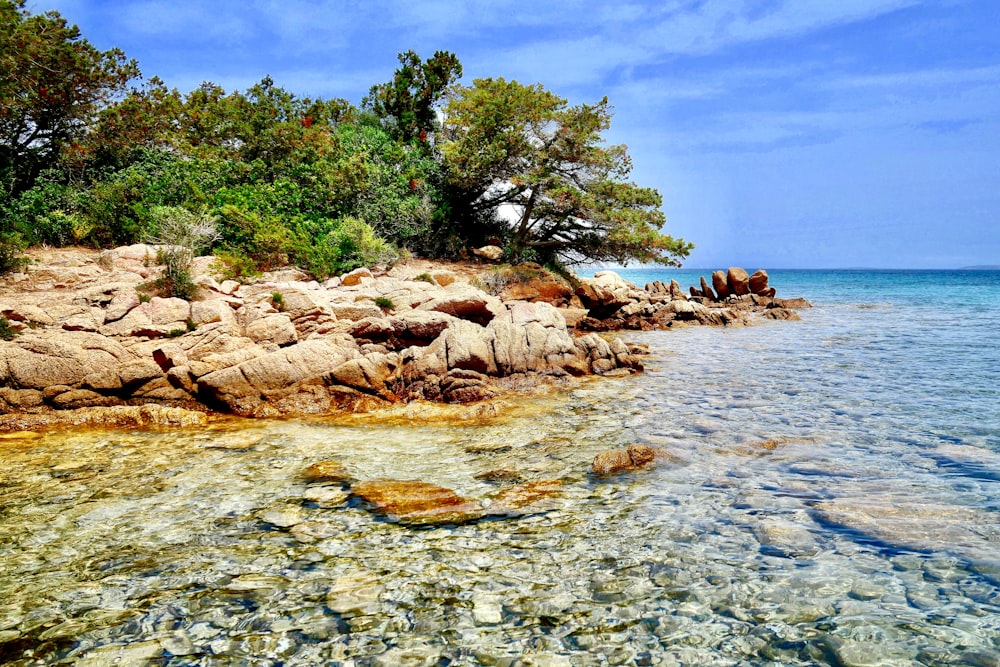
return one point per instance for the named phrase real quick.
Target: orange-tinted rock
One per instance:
(797, 302)
(720, 284)
(706, 291)
(758, 282)
(326, 471)
(417, 503)
(617, 460)
(738, 281)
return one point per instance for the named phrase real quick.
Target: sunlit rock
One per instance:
(617, 460)
(417, 503)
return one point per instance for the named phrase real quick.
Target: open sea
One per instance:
(832, 497)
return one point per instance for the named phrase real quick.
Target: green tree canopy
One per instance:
(408, 103)
(524, 149)
(52, 84)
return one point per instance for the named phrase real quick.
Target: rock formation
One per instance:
(736, 300)
(279, 345)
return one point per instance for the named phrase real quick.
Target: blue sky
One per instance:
(781, 133)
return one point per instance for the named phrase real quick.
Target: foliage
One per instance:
(352, 244)
(11, 248)
(385, 303)
(52, 84)
(498, 278)
(407, 104)
(7, 332)
(278, 300)
(425, 277)
(91, 154)
(523, 147)
(181, 234)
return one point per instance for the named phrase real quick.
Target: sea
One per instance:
(828, 493)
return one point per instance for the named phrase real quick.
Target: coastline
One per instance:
(91, 347)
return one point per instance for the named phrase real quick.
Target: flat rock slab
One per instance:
(417, 503)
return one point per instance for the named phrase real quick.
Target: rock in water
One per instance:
(417, 503)
(738, 281)
(720, 284)
(758, 282)
(617, 460)
(529, 498)
(706, 291)
(327, 471)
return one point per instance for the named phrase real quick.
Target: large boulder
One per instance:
(302, 368)
(721, 284)
(738, 281)
(50, 357)
(464, 301)
(758, 283)
(492, 253)
(706, 290)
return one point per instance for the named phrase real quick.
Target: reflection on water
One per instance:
(817, 512)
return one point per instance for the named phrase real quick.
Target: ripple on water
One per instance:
(813, 508)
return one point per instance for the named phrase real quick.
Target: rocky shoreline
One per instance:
(89, 347)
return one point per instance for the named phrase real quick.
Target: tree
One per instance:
(52, 84)
(525, 149)
(408, 103)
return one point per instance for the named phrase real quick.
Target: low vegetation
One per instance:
(91, 153)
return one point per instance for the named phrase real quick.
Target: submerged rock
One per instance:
(327, 471)
(528, 498)
(617, 460)
(417, 503)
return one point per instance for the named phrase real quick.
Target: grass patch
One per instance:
(385, 303)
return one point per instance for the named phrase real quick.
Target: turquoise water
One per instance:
(830, 496)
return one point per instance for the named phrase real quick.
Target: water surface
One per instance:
(833, 499)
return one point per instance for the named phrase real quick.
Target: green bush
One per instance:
(7, 332)
(256, 241)
(385, 303)
(12, 248)
(358, 245)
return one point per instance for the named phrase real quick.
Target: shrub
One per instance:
(358, 245)
(7, 332)
(426, 277)
(497, 279)
(385, 303)
(12, 247)
(252, 241)
(278, 300)
(182, 234)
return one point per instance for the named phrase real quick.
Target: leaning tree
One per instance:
(523, 164)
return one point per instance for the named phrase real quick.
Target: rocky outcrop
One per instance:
(735, 298)
(279, 345)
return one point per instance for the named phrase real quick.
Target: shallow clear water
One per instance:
(833, 498)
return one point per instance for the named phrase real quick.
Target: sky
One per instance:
(781, 133)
